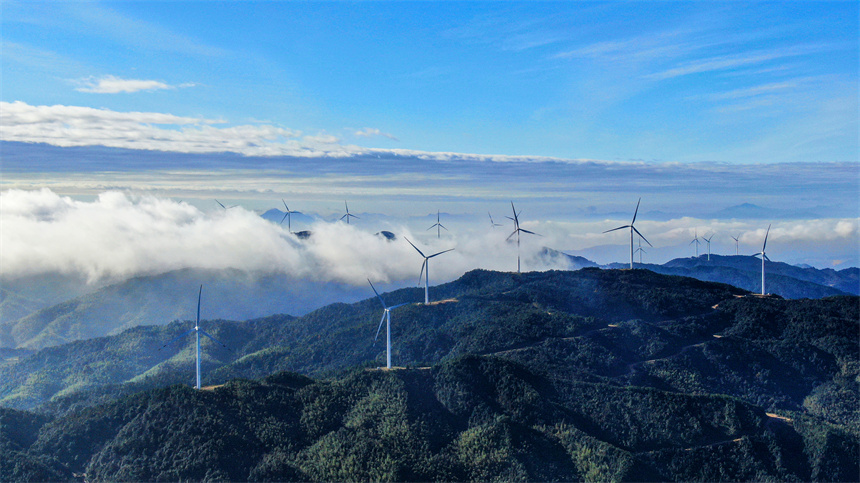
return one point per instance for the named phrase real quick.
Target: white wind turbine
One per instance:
(735, 238)
(288, 216)
(763, 258)
(517, 230)
(386, 315)
(492, 223)
(640, 250)
(197, 331)
(438, 226)
(697, 242)
(348, 214)
(425, 270)
(632, 229)
(708, 241)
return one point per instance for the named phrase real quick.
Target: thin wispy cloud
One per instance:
(369, 132)
(110, 84)
(729, 62)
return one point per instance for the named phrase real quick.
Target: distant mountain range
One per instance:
(160, 299)
(560, 375)
(237, 295)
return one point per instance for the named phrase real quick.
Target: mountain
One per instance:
(156, 300)
(787, 280)
(593, 374)
(238, 295)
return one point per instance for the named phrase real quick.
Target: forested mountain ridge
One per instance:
(469, 418)
(27, 323)
(593, 374)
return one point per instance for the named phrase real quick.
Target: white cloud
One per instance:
(371, 132)
(117, 236)
(113, 85)
(84, 126)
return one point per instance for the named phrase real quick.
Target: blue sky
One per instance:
(734, 82)
(573, 109)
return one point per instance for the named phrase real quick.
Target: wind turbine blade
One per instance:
(398, 305)
(380, 326)
(444, 251)
(344, 216)
(216, 340)
(637, 232)
(413, 246)
(529, 232)
(222, 205)
(176, 338)
(199, 295)
(765, 239)
(285, 217)
(421, 273)
(636, 212)
(512, 234)
(619, 228)
(377, 294)
(434, 226)
(443, 227)
(285, 204)
(766, 257)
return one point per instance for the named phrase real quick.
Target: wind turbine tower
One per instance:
(425, 270)
(386, 316)
(632, 230)
(517, 230)
(763, 258)
(696, 241)
(197, 331)
(438, 226)
(288, 216)
(640, 250)
(708, 241)
(348, 215)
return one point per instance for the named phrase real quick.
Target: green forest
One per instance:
(592, 375)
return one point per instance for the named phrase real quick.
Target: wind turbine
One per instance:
(517, 230)
(736, 243)
(640, 250)
(763, 258)
(197, 331)
(425, 270)
(225, 207)
(696, 241)
(386, 315)
(708, 241)
(288, 216)
(492, 223)
(348, 214)
(632, 229)
(438, 226)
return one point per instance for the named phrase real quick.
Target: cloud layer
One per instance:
(117, 236)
